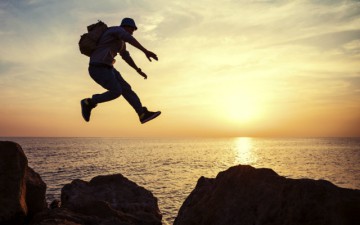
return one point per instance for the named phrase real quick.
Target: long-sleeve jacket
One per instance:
(110, 44)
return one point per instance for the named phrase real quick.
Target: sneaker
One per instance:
(86, 107)
(147, 115)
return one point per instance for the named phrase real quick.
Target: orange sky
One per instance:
(226, 68)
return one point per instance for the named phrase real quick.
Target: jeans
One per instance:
(110, 79)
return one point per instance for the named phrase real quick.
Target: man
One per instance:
(102, 71)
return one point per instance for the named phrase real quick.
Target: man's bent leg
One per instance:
(106, 77)
(130, 96)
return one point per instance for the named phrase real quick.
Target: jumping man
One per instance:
(102, 71)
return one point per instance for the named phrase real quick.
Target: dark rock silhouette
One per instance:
(35, 192)
(114, 197)
(22, 191)
(243, 195)
(111, 199)
(62, 216)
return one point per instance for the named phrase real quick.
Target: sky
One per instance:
(226, 68)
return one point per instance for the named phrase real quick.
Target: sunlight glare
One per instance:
(241, 109)
(244, 148)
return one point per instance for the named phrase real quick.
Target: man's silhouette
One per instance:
(102, 71)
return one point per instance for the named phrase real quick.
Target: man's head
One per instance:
(129, 25)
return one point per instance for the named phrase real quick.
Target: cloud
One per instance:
(329, 41)
(281, 21)
(6, 67)
(352, 47)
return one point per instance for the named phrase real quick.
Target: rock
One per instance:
(105, 200)
(63, 216)
(13, 163)
(244, 195)
(112, 199)
(22, 191)
(35, 192)
(55, 204)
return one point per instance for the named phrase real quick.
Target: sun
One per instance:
(243, 109)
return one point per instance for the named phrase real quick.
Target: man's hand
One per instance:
(142, 73)
(150, 55)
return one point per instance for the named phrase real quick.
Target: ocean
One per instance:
(170, 168)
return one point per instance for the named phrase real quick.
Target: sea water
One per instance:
(170, 168)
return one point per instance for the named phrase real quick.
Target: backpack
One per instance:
(89, 40)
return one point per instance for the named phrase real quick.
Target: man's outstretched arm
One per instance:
(123, 35)
(147, 53)
(125, 55)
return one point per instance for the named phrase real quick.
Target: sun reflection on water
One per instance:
(244, 151)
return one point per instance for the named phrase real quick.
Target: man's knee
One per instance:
(116, 94)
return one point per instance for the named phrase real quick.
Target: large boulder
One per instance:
(244, 195)
(111, 199)
(13, 163)
(35, 192)
(22, 192)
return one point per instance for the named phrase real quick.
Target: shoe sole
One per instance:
(82, 103)
(151, 117)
